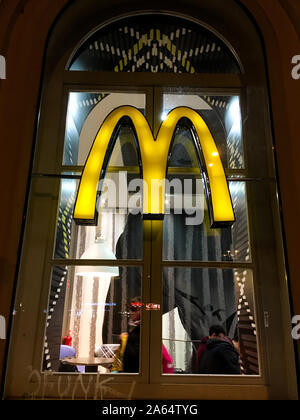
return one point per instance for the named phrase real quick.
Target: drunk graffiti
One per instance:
(72, 387)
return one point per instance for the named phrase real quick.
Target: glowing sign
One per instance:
(154, 157)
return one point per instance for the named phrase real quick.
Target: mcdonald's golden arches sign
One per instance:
(154, 155)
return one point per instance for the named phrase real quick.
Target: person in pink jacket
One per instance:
(167, 361)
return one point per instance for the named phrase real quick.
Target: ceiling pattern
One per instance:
(155, 44)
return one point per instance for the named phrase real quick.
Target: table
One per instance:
(91, 363)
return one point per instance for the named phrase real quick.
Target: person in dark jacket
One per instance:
(219, 357)
(131, 359)
(215, 331)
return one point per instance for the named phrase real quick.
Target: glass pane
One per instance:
(93, 311)
(119, 230)
(86, 113)
(196, 303)
(188, 237)
(222, 115)
(155, 43)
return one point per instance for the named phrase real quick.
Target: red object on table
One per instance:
(67, 340)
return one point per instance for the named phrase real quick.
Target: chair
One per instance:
(106, 350)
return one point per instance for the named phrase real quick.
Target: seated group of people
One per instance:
(216, 354)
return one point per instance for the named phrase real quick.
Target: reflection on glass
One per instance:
(183, 154)
(86, 112)
(189, 236)
(239, 246)
(233, 127)
(222, 115)
(194, 300)
(92, 315)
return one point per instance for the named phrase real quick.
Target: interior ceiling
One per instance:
(155, 44)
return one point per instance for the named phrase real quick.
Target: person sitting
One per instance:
(214, 331)
(131, 356)
(219, 357)
(127, 357)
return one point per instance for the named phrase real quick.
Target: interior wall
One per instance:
(24, 27)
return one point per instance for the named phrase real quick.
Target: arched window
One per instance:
(156, 43)
(161, 281)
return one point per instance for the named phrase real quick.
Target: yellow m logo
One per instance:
(154, 162)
